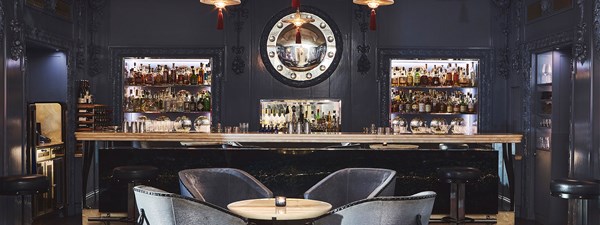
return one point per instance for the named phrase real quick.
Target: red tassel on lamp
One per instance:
(295, 3)
(298, 36)
(221, 4)
(373, 21)
(220, 21)
(373, 4)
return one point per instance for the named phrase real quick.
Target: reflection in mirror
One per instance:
(305, 56)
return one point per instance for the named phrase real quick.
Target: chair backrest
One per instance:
(395, 210)
(353, 184)
(157, 207)
(221, 186)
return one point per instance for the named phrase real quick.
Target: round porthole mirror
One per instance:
(302, 64)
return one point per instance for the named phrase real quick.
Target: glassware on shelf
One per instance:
(399, 125)
(418, 126)
(458, 125)
(546, 74)
(183, 124)
(439, 126)
(202, 124)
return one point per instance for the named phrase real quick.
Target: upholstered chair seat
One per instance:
(390, 210)
(221, 186)
(353, 184)
(157, 207)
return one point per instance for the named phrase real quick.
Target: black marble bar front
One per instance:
(290, 172)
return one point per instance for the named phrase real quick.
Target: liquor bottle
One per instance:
(402, 79)
(173, 75)
(207, 101)
(165, 74)
(456, 75)
(435, 81)
(424, 80)
(473, 74)
(410, 77)
(201, 74)
(417, 79)
(186, 104)
(448, 79)
(207, 74)
(193, 104)
(193, 77)
(149, 79)
(394, 77)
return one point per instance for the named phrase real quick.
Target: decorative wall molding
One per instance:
(361, 14)
(385, 55)
(579, 45)
(238, 65)
(118, 53)
(17, 45)
(597, 26)
(1, 22)
(501, 53)
(95, 53)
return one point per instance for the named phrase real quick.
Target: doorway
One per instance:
(551, 109)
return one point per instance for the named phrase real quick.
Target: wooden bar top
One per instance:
(299, 138)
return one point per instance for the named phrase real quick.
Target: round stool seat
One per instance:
(23, 184)
(575, 189)
(135, 173)
(458, 174)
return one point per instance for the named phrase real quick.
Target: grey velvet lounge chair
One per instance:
(353, 184)
(157, 207)
(394, 210)
(221, 186)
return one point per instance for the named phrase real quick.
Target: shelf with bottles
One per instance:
(321, 115)
(434, 73)
(433, 102)
(435, 114)
(432, 87)
(166, 72)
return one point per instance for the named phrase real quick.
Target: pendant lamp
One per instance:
(298, 20)
(373, 4)
(221, 4)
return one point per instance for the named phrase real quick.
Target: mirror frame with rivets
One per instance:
(306, 64)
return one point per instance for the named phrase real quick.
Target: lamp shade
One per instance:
(220, 4)
(373, 4)
(376, 2)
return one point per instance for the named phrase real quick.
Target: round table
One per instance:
(265, 209)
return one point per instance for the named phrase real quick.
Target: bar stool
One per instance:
(457, 177)
(578, 192)
(21, 185)
(133, 175)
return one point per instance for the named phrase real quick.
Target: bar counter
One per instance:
(303, 138)
(291, 168)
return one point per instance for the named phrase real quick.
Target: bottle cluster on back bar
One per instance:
(432, 101)
(167, 100)
(451, 75)
(300, 117)
(145, 75)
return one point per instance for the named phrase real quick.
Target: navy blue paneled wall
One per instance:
(184, 23)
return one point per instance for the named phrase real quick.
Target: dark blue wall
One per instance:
(402, 25)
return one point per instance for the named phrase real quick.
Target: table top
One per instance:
(265, 209)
